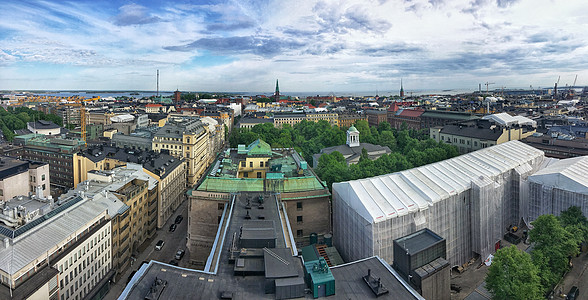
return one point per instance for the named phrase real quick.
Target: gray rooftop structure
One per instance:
(160, 163)
(267, 273)
(176, 126)
(41, 237)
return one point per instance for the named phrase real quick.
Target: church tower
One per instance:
(352, 137)
(401, 89)
(277, 93)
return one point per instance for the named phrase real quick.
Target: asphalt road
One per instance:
(173, 241)
(577, 276)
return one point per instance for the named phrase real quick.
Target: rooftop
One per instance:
(49, 231)
(397, 194)
(567, 174)
(285, 165)
(42, 124)
(40, 140)
(276, 263)
(158, 163)
(418, 241)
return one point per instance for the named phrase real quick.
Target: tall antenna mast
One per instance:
(157, 83)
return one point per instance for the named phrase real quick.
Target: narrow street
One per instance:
(173, 241)
(577, 276)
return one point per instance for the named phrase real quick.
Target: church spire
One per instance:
(401, 89)
(277, 93)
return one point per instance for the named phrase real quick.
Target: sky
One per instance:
(310, 46)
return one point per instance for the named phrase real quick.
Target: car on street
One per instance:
(159, 245)
(180, 254)
(173, 262)
(573, 293)
(179, 219)
(173, 227)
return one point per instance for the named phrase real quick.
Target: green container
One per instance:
(313, 238)
(328, 238)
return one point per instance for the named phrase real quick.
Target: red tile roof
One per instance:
(411, 113)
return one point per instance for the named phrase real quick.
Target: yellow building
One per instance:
(133, 226)
(185, 138)
(332, 118)
(169, 172)
(255, 163)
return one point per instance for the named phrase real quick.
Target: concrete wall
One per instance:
(315, 213)
(437, 286)
(203, 219)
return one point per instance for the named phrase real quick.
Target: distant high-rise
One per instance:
(277, 92)
(401, 89)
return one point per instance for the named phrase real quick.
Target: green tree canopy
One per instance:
(553, 245)
(409, 147)
(513, 275)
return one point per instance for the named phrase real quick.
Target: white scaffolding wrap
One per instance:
(557, 187)
(469, 200)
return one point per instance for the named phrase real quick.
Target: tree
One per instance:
(553, 245)
(513, 275)
(575, 222)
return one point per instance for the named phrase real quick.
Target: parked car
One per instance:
(159, 245)
(173, 227)
(180, 254)
(173, 262)
(573, 293)
(179, 219)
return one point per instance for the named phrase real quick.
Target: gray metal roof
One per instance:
(58, 230)
(384, 197)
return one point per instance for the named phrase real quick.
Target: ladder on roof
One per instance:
(272, 253)
(323, 253)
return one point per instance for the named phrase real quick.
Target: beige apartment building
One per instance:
(185, 138)
(20, 177)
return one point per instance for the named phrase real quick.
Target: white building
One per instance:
(64, 255)
(559, 186)
(44, 127)
(469, 200)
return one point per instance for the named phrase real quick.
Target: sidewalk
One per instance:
(577, 276)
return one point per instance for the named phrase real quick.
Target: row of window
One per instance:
(243, 164)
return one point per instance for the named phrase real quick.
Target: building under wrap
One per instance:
(469, 200)
(558, 186)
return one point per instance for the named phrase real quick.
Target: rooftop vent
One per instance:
(156, 289)
(375, 284)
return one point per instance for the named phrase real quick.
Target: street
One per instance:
(577, 276)
(173, 241)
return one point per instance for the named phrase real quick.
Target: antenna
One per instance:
(157, 83)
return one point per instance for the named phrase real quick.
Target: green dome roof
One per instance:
(352, 129)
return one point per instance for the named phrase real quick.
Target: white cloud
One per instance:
(310, 45)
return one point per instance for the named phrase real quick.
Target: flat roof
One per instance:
(349, 283)
(36, 241)
(418, 241)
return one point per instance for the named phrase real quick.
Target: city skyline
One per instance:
(337, 46)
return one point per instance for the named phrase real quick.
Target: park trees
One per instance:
(513, 275)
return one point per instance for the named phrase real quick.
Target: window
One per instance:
(261, 164)
(243, 164)
(251, 164)
(299, 233)
(299, 219)
(298, 206)
(43, 177)
(1, 192)
(221, 206)
(258, 174)
(246, 174)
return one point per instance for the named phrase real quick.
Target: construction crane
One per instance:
(555, 88)
(487, 84)
(571, 92)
